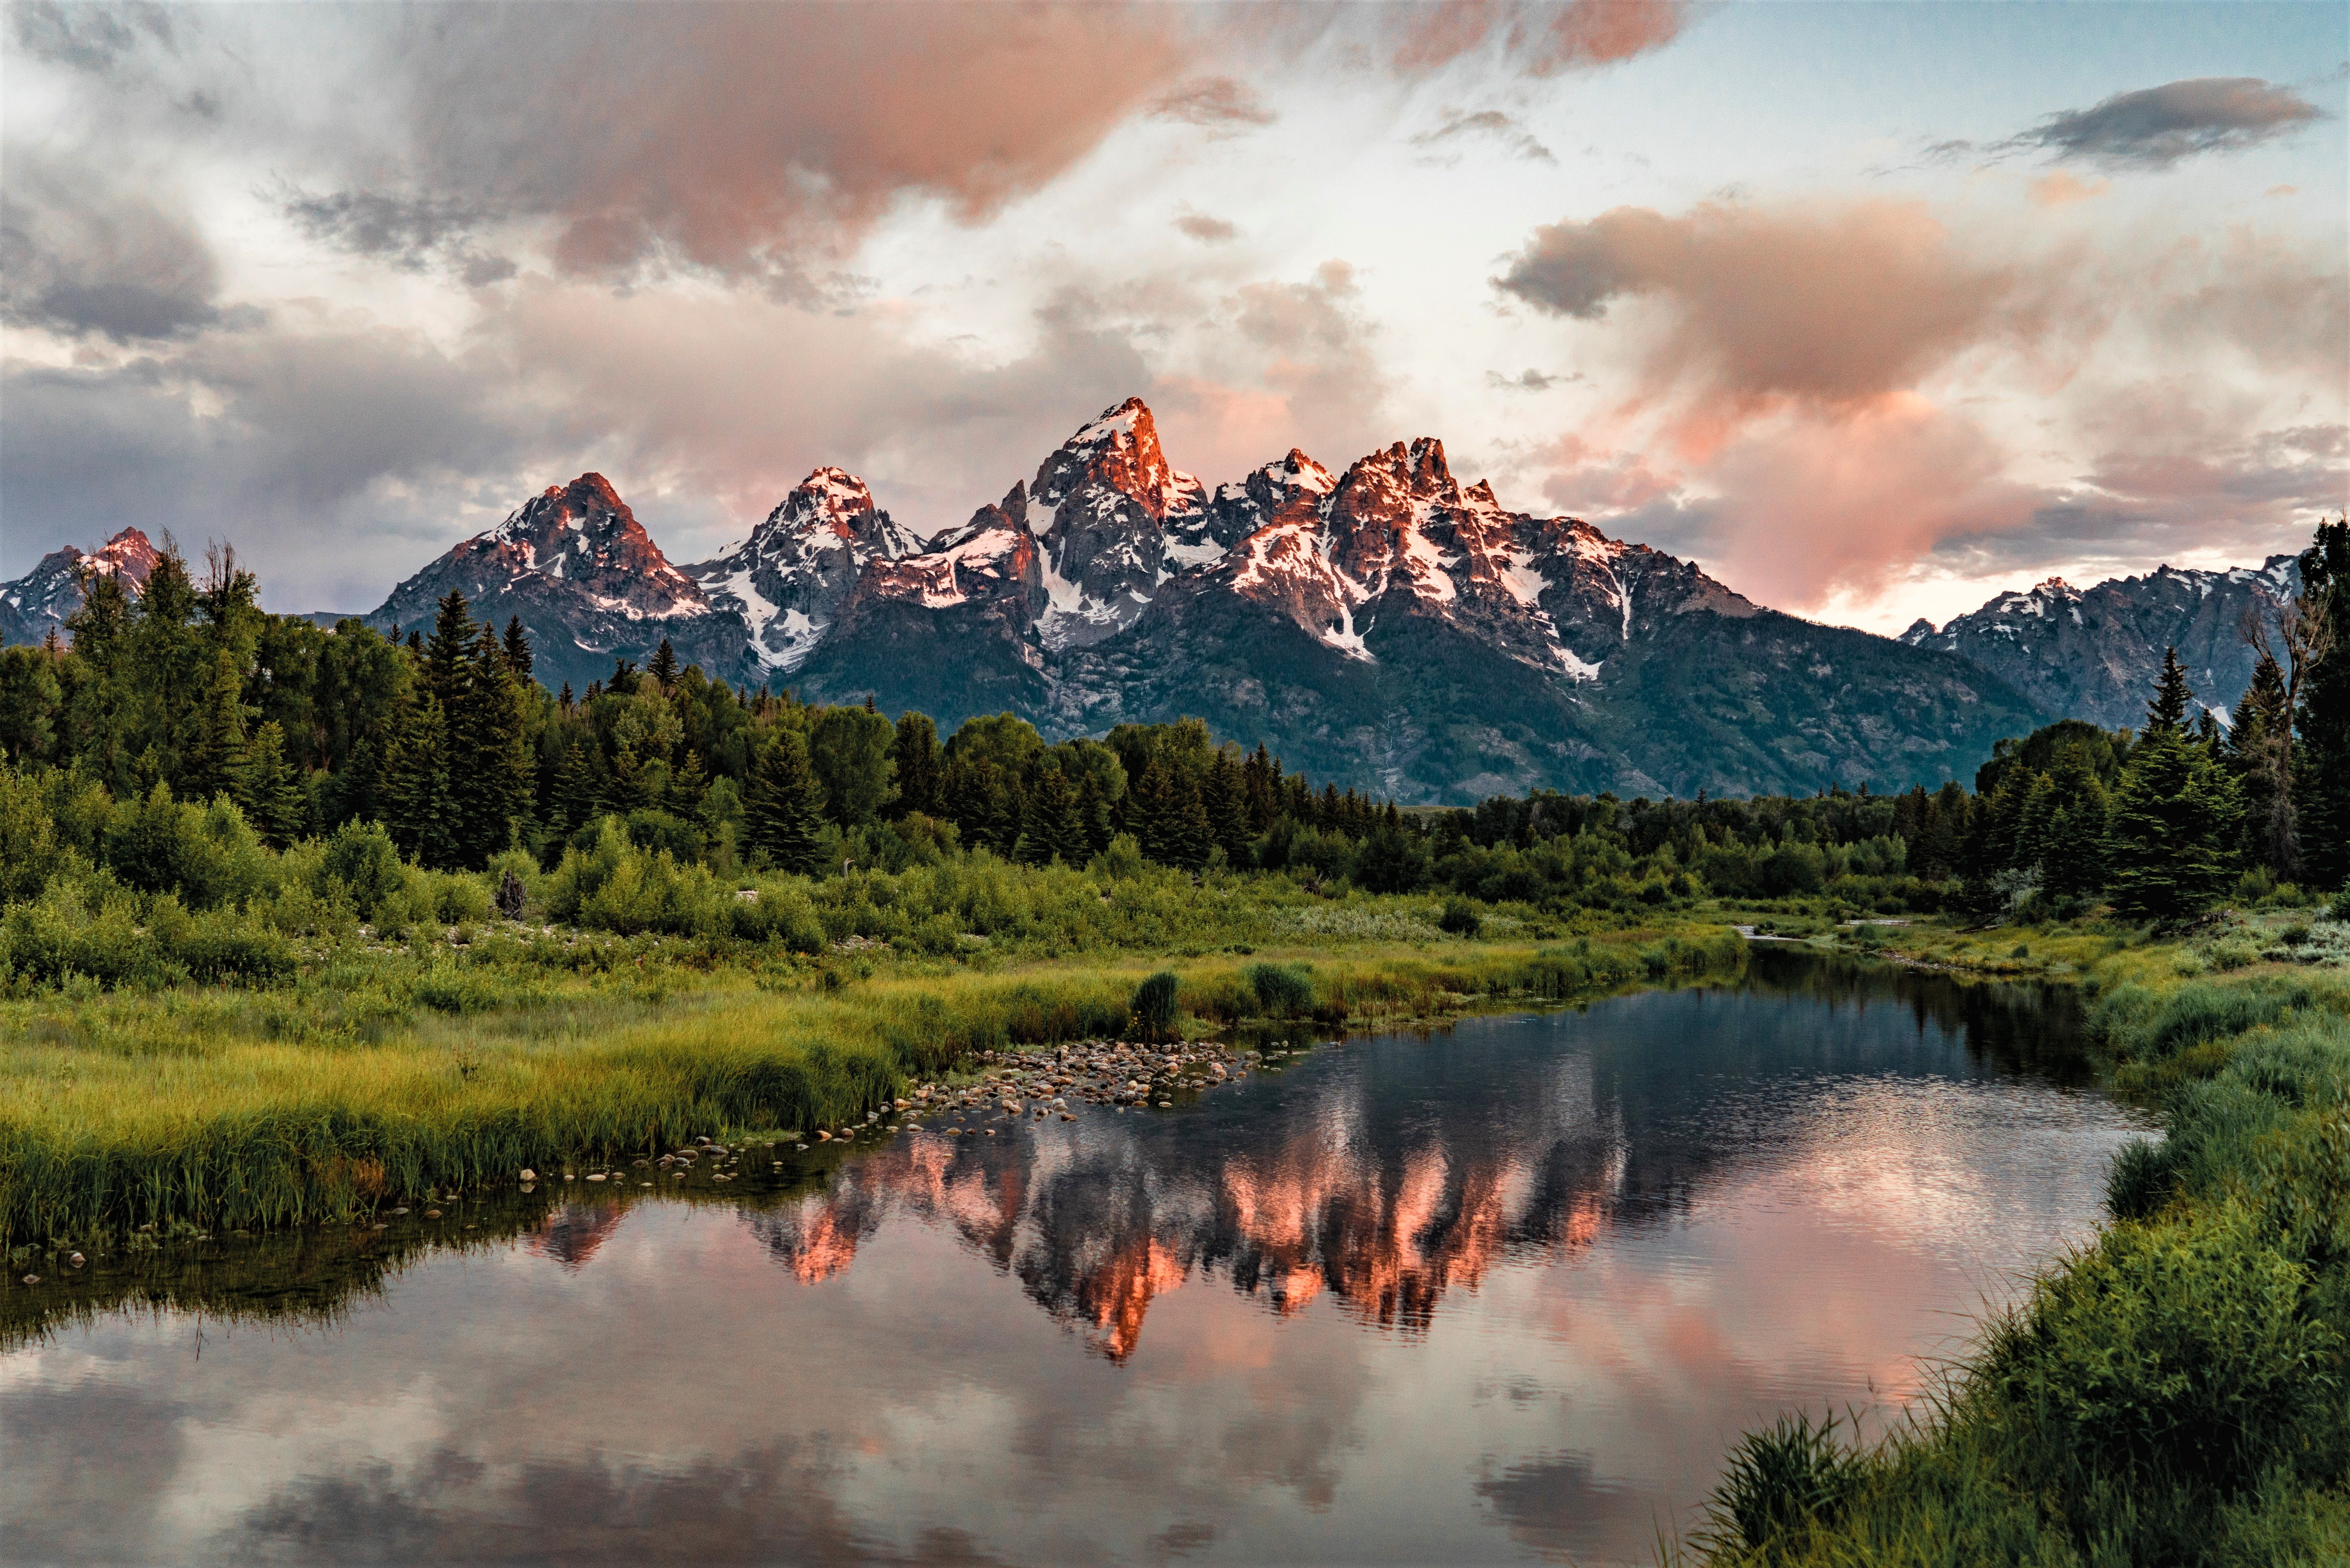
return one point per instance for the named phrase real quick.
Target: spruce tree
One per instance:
(216, 754)
(419, 806)
(663, 667)
(688, 787)
(577, 791)
(914, 754)
(518, 655)
(2258, 755)
(267, 790)
(785, 806)
(2321, 761)
(2167, 712)
(2173, 828)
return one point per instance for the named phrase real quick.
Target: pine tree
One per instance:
(785, 808)
(217, 753)
(2072, 842)
(267, 790)
(577, 791)
(518, 654)
(449, 653)
(2322, 762)
(1227, 802)
(566, 702)
(688, 787)
(663, 667)
(419, 807)
(2258, 755)
(2173, 829)
(914, 753)
(2167, 712)
(490, 771)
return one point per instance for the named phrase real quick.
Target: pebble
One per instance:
(32, 1279)
(529, 1175)
(598, 1175)
(74, 1258)
(400, 1211)
(433, 1214)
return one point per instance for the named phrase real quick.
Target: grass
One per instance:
(383, 1074)
(2177, 1390)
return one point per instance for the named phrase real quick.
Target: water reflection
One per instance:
(1507, 1292)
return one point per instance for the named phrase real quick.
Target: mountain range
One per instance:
(1386, 625)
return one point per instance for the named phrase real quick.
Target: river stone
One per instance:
(32, 1279)
(597, 1175)
(529, 1175)
(74, 1258)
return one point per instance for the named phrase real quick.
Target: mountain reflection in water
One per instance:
(1387, 1189)
(1507, 1292)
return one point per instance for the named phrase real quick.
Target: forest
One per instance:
(260, 771)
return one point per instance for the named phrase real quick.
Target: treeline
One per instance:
(188, 693)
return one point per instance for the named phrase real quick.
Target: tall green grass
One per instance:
(233, 1109)
(2176, 1391)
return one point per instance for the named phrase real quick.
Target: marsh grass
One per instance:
(2176, 1391)
(244, 1109)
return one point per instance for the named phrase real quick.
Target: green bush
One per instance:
(361, 859)
(1461, 917)
(1153, 1008)
(1280, 991)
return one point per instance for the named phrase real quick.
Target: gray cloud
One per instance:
(406, 231)
(1529, 380)
(1217, 101)
(2158, 126)
(1493, 123)
(85, 38)
(1208, 231)
(82, 255)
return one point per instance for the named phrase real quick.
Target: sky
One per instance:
(1874, 310)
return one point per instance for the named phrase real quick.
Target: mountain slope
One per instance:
(790, 580)
(2092, 654)
(587, 583)
(42, 599)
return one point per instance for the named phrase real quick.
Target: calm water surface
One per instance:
(1508, 1292)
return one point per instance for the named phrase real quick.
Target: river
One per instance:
(1507, 1291)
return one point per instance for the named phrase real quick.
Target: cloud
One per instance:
(1529, 380)
(1208, 231)
(1490, 122)
(1829, 306)
(2155, 127)
(1216, 101)
(742, 140)
(1541, 40)
(84, 255)
(85, 38)
(2059, 189)
(406, 232)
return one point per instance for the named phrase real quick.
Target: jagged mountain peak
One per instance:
(43, 597)
(790, 580)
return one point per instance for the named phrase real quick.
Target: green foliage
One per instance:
(1461, 918)
(1785, 1480)
(784, 808)
(849, 749)
(1281, 990)
(2173, 830)
(1153, 1009)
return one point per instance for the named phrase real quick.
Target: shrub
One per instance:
(1280, 991)
(1461, 918)
(1153, 1008)
(361, 858)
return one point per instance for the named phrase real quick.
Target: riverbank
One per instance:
(2177, 1390)
(383, 1076)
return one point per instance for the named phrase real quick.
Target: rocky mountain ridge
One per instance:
(2085, 652)
(1386, 625)
(38, 602)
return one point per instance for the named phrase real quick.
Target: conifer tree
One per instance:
(785, 808)
(577, 791)
(2174, 824)
(663, 667)
(2259, 754)
(518, 655)
(216, 750)
(1227, 802)
(914, 754)
(419, 806)
(688, 787)
(267, 790)
(2321, 761)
